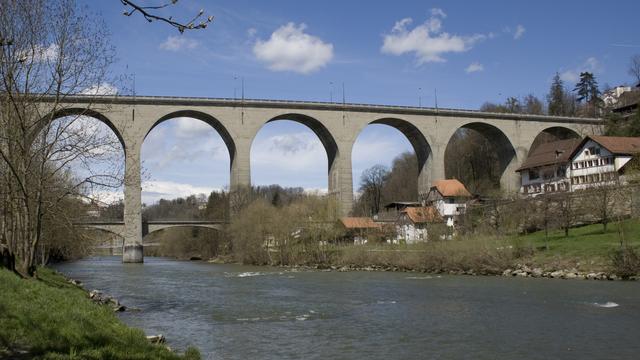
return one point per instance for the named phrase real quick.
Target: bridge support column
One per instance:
(432, 171)
(341, 180)
(132, 249)
(240, 177)
(510, 179)
(241, 165)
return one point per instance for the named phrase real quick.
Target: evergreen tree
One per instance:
(588, 92)
(556, 97)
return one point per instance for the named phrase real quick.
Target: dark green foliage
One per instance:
(617, 125)
(556, 97)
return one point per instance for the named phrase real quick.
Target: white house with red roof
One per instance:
(449, 197)
(574, 164)
(600, 160)
(413, 223)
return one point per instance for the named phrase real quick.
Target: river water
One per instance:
(244, 312)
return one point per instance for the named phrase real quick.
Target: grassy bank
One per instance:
(49, 318)
(586, 249)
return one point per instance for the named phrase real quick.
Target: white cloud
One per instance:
(519, 32)
(100, 89)
(189, 128)
(178, 42)
(290, 49)
(292, 152)
(573, 75)
(427, 41)
(107, 196)
(183, 143)
(474, 67)
(438, 12)
(39, 53)
(152, 191)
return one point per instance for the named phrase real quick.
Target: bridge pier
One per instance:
(340, 184)
(132, 251)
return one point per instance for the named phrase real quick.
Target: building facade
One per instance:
(570, 165)
(450, 198)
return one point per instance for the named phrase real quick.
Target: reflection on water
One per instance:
(243, 312)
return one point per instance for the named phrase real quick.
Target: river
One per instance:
(245, 312)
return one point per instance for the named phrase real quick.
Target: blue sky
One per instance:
(384, 53)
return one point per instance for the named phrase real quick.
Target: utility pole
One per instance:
(331, 91)
(419, 97)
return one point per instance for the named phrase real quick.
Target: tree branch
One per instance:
(145, 11)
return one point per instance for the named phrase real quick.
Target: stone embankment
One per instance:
(525, 271)
(100, 298)
(519, 271)
(103, 299)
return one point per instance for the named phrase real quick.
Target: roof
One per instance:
(617, 145)
(425, 214)
(359, 223)
(555, 152)
(397, 204)
(451, 187)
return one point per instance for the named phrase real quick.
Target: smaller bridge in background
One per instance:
(148, 227)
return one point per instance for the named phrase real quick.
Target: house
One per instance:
(393, 209)
(612, 96)
(450, 198)
(626, 104)
(602, 159)
(359, 229)
(574, 164)
(546, 169)
(415, 223)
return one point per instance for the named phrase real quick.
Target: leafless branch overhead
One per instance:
(147, 12)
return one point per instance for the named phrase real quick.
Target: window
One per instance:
(594, 150)
(533, 174)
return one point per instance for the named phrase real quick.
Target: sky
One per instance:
(397, 53)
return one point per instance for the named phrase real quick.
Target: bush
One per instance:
(625, 262)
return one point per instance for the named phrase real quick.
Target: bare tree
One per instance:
(372, 181)
(55, 50)
(567, 210)
(150, 13)
(634, 68)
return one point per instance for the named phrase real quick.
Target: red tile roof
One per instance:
(555, 152)
(451, 187)
(359, 223)
(618, 144)
(428, 214)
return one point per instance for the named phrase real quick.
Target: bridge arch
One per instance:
(321, 131)
(152, 228)
(495, 165)
(553, 133)
(206, 118)
(79, 112)
(326, 138)
(418, 141)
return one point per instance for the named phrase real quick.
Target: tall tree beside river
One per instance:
(50, 50)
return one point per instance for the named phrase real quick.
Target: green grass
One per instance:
(588, 246)
(50, 318)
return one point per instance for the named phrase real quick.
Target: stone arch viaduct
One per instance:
(337, 126)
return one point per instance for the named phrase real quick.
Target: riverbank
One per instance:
(48, 317)
(588, 252)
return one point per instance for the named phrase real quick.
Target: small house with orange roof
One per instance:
(449, 197)
(414, 223)
(359, 229)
